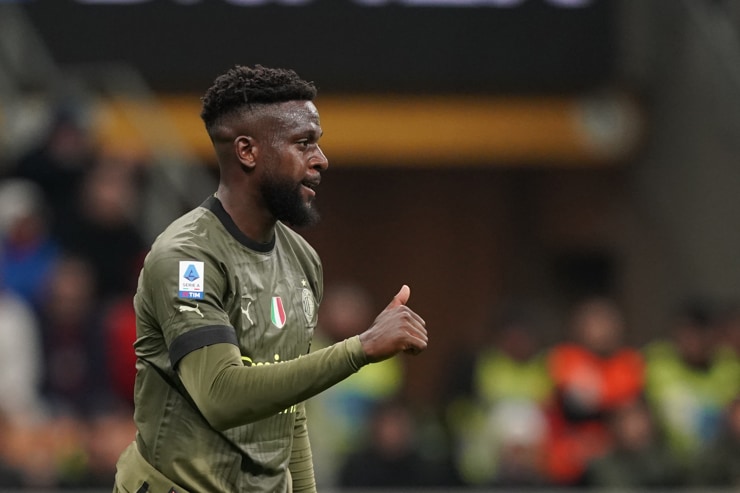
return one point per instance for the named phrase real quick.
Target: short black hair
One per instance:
(242, 86)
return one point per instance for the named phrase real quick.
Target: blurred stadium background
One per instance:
(489, 153)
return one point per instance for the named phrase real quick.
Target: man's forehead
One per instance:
(274, 118)
(296, 113)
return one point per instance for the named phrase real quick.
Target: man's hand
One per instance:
(396, 329)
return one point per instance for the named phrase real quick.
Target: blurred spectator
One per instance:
(691, 379)
(38, 449)
(59, 163)
(339, 416)
(729, 328)
(435, 444)
(104, 232)
(106, 433)
(62, 439)
(118, 332)
(64, 451)
(638, 457)
(719, 465)
(515, 435)
(390, 459)
(512, 364)
(593, 375)
(11, 476)
(71, 338)
(20, 360)
(28, 250)
(500, 425)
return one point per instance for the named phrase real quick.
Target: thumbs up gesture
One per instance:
(397, 328)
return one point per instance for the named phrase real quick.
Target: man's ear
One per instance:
(246, 151)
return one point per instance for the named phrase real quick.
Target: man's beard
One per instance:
(285, 201)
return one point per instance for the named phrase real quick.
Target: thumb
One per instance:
(401, 297)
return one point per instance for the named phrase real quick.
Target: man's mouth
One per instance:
(311, 184)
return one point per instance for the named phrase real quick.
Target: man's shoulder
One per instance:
(193, 229)
(192, 236)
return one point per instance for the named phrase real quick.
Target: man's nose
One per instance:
(319, 161)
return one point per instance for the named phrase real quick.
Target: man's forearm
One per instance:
(230, 394)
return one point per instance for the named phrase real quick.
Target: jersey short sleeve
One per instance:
(186, 288)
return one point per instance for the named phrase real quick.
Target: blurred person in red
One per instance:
(593, 375)
(692, 377)
(118, 331)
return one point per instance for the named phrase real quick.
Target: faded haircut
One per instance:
(242, 86)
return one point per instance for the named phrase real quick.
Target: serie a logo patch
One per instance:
(191, 280)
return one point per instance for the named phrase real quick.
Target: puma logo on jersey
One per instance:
(185, 308)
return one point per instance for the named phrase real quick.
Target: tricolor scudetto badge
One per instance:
(277, 312)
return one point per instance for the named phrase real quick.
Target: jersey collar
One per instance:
(214, 205)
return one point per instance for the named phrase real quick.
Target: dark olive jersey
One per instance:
(204, 282)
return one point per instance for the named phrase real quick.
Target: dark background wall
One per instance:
(342, 44)
(468, 241)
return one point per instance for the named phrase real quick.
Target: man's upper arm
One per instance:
(186, 291)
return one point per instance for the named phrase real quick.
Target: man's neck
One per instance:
(252, 220)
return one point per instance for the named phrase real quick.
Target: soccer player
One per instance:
(227, 304)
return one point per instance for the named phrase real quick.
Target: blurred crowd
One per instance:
(593, 411)
(70, 252)
(587, 411)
